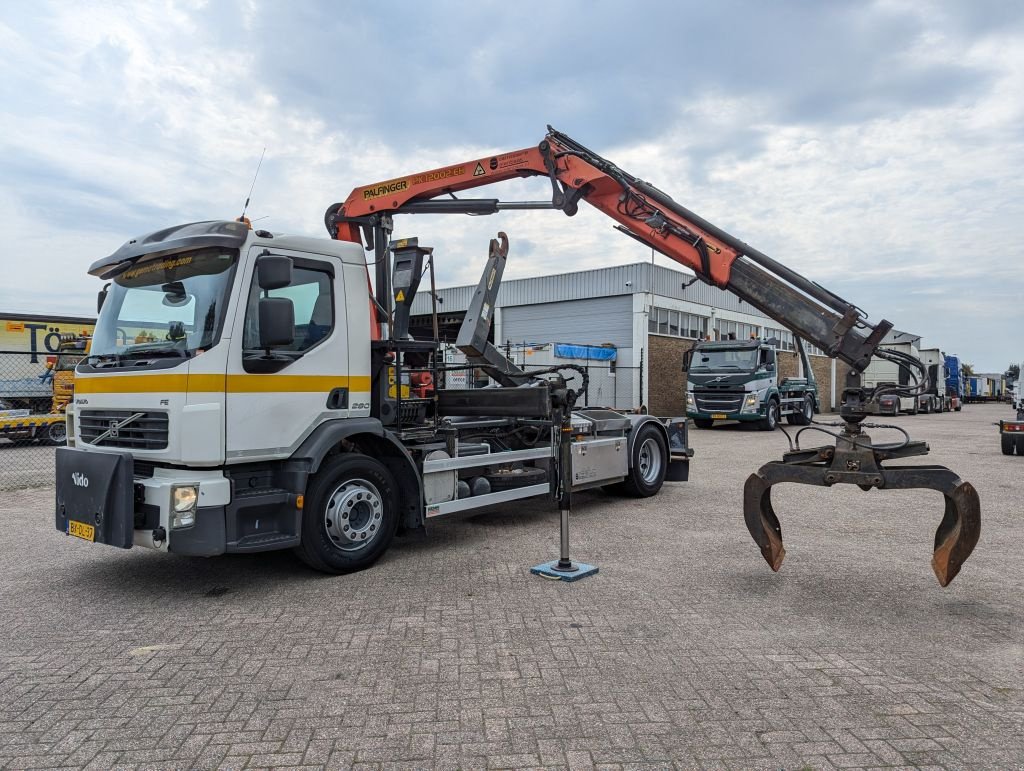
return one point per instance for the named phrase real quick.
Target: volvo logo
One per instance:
(80, 479)
(113, 425)
(717, 379)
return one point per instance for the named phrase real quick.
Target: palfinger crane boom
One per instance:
(652, 217)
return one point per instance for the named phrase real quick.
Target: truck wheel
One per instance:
(648, 465)
(771, 418)
(1007, 442)
(703, 422)
(806, 414)
(1019, 441)
(55, 434)
(350, 516)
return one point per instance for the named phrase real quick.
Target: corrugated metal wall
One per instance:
(593, 321)
(622, 280)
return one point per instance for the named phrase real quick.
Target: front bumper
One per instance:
(741, 416)
(127, 507)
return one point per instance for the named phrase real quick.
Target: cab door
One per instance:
(276, 399)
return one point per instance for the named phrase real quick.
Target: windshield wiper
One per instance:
(101, 359)
(155, 353)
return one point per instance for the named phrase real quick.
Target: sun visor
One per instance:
(194, 235)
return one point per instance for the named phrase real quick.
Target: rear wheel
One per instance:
(648, 464)
(806, 413)
(350, 515)
(1008, 443)
(703, 422)
(771, 419)
(55, 434)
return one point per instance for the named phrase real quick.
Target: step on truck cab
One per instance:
(739, 380)
(237, 399)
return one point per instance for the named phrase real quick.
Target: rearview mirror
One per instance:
(687, 359)
(277, 322)
(273, 271)
(101, 298)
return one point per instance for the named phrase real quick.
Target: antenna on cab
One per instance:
(251, 187)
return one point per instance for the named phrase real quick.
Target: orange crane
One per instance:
(652, 217)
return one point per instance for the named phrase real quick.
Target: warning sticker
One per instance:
(400, 297)
(479, 170)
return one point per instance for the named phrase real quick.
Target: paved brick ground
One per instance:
(684, 650)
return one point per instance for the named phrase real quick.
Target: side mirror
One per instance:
(273, 271)
(277, 322)
(770, 366)
(101, 298)
(687, 359)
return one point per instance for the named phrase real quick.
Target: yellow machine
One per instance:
(50, 428)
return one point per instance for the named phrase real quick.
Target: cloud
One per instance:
(874, 147)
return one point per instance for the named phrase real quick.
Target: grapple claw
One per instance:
(854, 460)
(761, 521)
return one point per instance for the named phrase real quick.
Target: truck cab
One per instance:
(739, 380)
(935, 399)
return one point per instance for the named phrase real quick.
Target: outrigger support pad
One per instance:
(855, 460)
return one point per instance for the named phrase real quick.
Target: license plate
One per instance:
(81, 530)
(718, 416)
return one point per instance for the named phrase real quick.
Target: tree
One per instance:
(968, 369)
(1013, 372)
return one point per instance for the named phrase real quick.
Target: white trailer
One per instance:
(936, 399)
(881, 371)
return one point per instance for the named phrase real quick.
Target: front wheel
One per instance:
(703, 422)
(648, 464)
(350, 515)
(771, 419)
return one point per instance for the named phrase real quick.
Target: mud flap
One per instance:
(858, 462)
(96, 489)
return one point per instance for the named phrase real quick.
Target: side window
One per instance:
(313, 301)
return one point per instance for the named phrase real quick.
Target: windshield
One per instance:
(168, 306)
(708, 360)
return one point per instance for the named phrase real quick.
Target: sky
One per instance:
(876, 147)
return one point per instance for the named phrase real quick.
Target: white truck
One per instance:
(882, 371)
(936, 399)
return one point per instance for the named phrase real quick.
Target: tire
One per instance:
(956, 409)
(1019, 441)
(648, 465)
(518, 478)
(1007, 443)
(350, 515)
(771, 419)
(703, 422)
(55, 434)
(806, 414)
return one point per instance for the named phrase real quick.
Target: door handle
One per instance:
(337, 399)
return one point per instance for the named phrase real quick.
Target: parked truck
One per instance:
(881, 372)
(266, 407)
(739, 380)
(954, 382)
(935, 399)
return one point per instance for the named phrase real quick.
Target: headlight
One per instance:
(690, 403)
(750, 402)
(183, 503)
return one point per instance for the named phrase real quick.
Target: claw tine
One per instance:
(958, 532)
(761, 520)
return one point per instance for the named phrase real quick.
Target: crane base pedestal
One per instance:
(551, 570)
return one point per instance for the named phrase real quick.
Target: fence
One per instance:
(31, 424)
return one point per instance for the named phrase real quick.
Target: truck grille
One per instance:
(148, 432)
(718, 401)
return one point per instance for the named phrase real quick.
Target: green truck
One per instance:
(739, 380)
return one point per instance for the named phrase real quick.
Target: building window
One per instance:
(736, 330)
(662, 321)
(784, 336)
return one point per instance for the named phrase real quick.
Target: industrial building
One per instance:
(649, 313)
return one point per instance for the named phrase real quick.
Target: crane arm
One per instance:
(640, 210)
